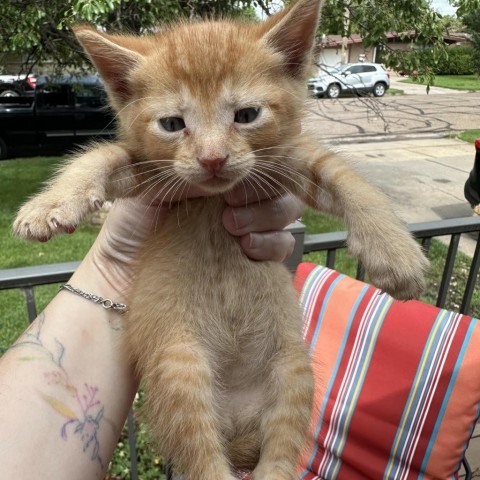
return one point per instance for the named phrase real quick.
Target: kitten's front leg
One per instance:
(392, 258)
(79, 188)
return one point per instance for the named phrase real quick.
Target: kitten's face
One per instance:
(207, 104)
(210, 113)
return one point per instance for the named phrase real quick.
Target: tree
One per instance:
(413, 20)
(39, 31)
(472, 22)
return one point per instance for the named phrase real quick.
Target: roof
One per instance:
(336, 41)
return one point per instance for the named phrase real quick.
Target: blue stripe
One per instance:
(322, 313)
(337, 366)
(472, 428)
(362, 362)
(446, 399)
(415, 396)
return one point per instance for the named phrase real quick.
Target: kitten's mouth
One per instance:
(214, 182)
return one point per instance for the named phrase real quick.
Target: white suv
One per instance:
(356, 78)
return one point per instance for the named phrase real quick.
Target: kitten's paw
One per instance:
(48, 214)
(397, 267)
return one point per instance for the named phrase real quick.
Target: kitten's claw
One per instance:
(48, 214)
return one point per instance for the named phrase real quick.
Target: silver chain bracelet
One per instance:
(104, 302)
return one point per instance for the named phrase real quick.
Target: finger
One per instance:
(268, 215)
(274, 246)
(246, 193)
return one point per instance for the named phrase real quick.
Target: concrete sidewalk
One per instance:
(424, 176)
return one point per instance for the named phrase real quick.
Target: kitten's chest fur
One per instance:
(194, 273)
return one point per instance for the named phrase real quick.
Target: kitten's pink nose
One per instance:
(213, 165)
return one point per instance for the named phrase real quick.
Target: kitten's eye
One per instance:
(246, 115)
(172, 124)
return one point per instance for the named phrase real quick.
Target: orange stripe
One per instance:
(325, 351)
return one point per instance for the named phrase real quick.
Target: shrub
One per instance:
(460, 61)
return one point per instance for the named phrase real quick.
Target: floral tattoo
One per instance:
(84, 415)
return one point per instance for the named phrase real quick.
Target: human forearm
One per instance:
(65, 388)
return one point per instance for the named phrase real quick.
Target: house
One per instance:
(329, 50)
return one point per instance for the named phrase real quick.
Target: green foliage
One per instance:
(40, 30)
(422, 27)
(459, 61)
(472, 21)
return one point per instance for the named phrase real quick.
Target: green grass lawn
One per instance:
(21, 178)
(395, 91)
(458, 82)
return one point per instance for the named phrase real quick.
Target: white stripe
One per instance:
(348, 379)
(310, 299)
(453, 327)
(413, 427)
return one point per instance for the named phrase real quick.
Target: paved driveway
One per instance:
(393, 115)
(402, 145)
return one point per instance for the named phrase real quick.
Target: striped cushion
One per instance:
(397, 383)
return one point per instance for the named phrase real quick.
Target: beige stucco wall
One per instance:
(358, 49)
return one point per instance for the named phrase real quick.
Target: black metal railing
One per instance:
(28, 278)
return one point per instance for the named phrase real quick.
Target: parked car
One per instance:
(356, 78)
(62, 112)
(17, 85)
(472, 185)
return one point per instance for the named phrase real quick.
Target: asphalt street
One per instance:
(405, 146)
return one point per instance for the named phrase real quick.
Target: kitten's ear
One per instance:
(292, 33)
(114, 56)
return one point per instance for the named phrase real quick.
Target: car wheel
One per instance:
(333, 91)
(9, 93)
(379, 89)
(3, 149)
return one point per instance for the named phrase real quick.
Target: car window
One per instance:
(369, 68)
(55, 96)
(90, 96)
(355, 69)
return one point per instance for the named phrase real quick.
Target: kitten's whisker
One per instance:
(290, 179)
(133, 175)
(269, 178)
(171, 185)
(154, 178)
(157, 182)
(275, 190)
(255, 177)
(281, 167)
(249, 180)
(177, 186)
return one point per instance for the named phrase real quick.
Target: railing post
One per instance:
(297, 229)
(31, 305)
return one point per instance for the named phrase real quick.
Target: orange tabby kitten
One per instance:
(216, 336)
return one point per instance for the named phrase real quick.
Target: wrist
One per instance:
(104, 279)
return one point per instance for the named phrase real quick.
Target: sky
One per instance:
(443, 7)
